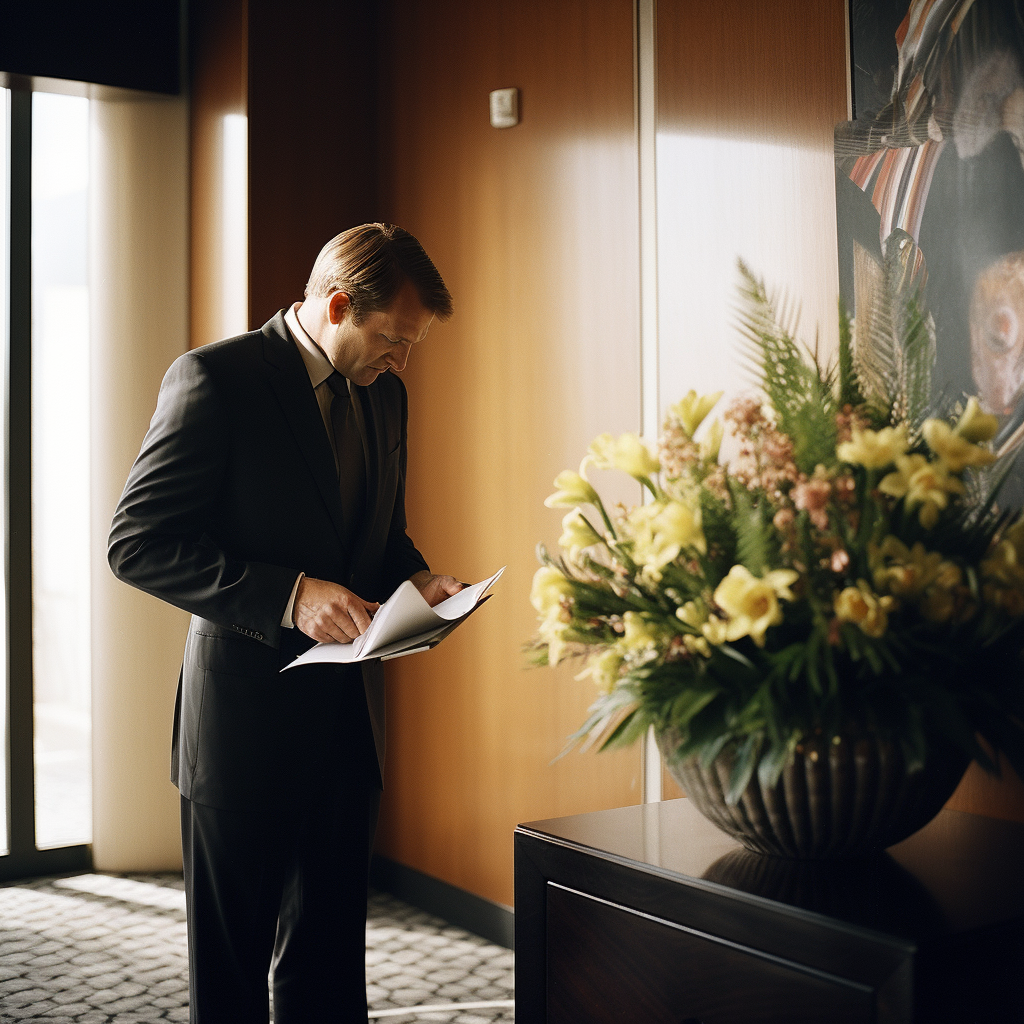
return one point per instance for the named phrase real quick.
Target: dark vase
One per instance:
(844, 798)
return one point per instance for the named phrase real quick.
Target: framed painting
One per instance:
(930, 191)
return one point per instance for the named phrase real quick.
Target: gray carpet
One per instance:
(104, 949)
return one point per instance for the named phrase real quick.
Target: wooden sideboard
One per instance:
(650, 915)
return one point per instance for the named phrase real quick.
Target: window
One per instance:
(45, 769)
(60, 470)
(5, 98)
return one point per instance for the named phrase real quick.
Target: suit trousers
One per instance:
(280, 889)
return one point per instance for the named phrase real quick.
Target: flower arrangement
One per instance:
(848, 571)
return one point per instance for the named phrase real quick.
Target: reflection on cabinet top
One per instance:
(959, 873)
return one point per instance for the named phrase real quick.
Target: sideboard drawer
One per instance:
(607, 963)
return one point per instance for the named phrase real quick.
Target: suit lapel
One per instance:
(287, 376)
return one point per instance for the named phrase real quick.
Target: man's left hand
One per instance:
(435, 588)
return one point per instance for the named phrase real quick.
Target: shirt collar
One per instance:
(317, 364)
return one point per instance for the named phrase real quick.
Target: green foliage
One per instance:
(751, 523)
(800, 393)
(849, 388)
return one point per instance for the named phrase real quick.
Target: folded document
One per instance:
(404, 624)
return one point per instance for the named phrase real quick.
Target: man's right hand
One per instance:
(329, 613)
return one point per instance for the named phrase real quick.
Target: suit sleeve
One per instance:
(401, 557)
(160, 540)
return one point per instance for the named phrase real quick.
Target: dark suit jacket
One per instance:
(233, 494)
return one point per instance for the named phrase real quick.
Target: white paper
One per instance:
(403, 622)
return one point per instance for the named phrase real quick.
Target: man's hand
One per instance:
(435, 588)
(328, 612)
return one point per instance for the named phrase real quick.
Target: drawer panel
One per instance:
(607, 963)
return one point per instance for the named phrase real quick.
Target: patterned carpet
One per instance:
(104, 949)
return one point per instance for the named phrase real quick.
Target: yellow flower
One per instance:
(861, 606)
(697, 645)
(711, 443)
(552, 631)
(874, 449)
(918, 575)
(692, 615)
(903, 571)
(577, 533)
(626, 452)
(604, 668)
(662, 529)
(976, 425)
(573, 489)
(548, 589)
(1005, 564)
(715, 630)
(639, 634)
(1005, 560)
(955, 451)
(922, 482)
(1015, 535)
(752, 603)
(691, 410)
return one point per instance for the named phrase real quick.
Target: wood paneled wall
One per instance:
(218, 44)
(535, 229)
(312, 71)
(305, 78)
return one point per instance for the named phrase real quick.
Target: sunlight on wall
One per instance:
(234, 226)
(720, 199)
(138, 278)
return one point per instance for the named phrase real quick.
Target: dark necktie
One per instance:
(348, 447)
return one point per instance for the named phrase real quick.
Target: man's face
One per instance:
(381, 342)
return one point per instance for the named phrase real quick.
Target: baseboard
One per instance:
(491, 921)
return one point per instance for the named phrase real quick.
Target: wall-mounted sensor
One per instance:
(504, 108)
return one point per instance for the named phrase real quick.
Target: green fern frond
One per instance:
(755, 542)
(849, 387)
(801, 392)
(894, 339)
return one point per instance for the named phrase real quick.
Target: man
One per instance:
(268, 500)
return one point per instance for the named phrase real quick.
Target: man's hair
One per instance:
(371, 263)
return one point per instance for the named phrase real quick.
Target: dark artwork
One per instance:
(930, 174)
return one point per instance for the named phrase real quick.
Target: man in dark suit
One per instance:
(268, 500)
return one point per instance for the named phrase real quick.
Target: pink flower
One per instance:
(812, 496)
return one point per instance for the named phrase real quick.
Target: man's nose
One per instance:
(399, 355)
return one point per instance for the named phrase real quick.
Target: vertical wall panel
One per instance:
(312, 138)
(536, 231)
(138, 324)
(217, 53)
(748, 96)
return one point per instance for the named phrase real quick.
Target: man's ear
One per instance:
(338, 306)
